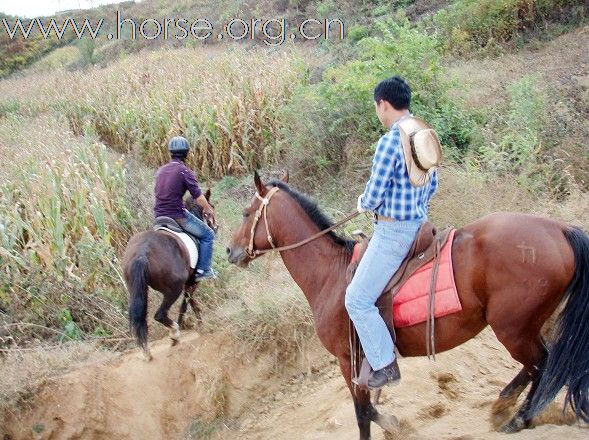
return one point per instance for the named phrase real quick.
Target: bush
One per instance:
(19, 53)
(86, 46)
(475, 25)
(522, 147)
(326, 116)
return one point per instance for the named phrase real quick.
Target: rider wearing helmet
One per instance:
(171, 183)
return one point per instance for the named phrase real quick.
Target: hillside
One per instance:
(533, 20)
(84, 125)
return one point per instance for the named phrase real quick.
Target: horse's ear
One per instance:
(259, 185)
(284, 177)
(208, 194)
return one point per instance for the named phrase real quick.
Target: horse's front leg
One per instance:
(183, 308)
(365, 411)
(188, 298)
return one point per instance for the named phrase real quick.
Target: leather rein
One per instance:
(262, 211)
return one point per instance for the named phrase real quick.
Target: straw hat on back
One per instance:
(421, 148)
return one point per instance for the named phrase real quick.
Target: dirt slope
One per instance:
(127, 398)
(448, 399)
(194, 382)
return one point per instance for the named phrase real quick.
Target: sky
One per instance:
(36, 8)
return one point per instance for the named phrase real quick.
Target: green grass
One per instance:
(484, 26)
(65, 219)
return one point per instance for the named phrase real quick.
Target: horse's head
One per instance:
(194, 208)
(252, 234)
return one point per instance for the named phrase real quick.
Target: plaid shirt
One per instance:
(389, 192)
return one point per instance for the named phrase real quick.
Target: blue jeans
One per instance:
(195, 226)
(388, 247)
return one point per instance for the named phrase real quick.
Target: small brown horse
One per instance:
(158, 260)
(512, 271)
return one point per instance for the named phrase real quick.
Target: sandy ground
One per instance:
(447, 399)
(183, 390)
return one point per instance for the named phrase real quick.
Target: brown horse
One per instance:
(158, 260)
(512, 271)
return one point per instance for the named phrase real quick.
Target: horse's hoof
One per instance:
(388, 422)
(502, 411)
(175, 333)
(515, 425)
(147, 357)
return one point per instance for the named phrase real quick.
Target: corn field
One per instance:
(63, 221)
(225, 104)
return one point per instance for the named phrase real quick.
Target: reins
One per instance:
(262, 211)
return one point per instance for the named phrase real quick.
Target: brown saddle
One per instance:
(426, 247)
(422, 251)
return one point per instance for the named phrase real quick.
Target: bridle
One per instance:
(263, 211)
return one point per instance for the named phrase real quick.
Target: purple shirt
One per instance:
(171, 183)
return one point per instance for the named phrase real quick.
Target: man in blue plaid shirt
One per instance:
(399, 209)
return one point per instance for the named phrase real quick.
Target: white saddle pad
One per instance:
(188, 244)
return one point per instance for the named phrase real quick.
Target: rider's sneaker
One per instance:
(389, 375)
(210, 274)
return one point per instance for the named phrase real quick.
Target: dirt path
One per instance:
(448, 399)
(181, 393)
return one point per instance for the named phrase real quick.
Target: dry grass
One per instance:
(65, 219)
(25, 370)
(226, 104)
(264, 309)
(215, 387)
(465, 196)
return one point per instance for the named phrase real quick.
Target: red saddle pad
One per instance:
(410, 304)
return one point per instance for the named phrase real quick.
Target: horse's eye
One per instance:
(246, 214)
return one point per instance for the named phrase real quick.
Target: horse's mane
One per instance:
(314, 213)
(192, 206)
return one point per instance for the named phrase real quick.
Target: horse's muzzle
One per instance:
(237, 256)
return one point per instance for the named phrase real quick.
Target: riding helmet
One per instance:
(178, 144)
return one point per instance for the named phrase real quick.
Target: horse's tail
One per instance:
(567, 362)
(138, 299)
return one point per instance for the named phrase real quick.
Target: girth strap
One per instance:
(430, 342)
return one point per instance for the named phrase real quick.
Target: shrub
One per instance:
(326, 116)
(520, 148)
(474, 25)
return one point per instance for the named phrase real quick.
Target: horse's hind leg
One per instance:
(170, 297)
(188, 299)
(521, 419)
(517, 385)
(503, 406)
(196, 309)
(532, 355)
